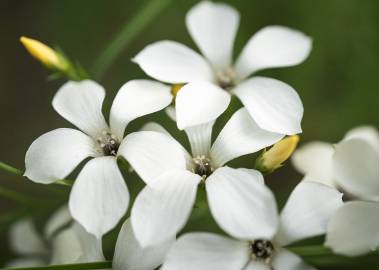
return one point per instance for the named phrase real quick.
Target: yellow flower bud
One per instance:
(43, 53)
(273, 158)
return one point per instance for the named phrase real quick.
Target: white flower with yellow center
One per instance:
(274, 105)
(262, 245)
(99, 196)
(173, 175)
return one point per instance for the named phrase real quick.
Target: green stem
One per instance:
(78, 266)
(65, 182)
(10, 169)
(127, 34)
(13, 170)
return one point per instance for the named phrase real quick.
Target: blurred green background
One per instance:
(338, 83)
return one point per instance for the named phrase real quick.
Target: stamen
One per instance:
(262, 250)
(203, 166)
(226, 78)
(108, 143)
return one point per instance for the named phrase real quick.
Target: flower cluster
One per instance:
(196, 89)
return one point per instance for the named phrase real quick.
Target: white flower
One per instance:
(129, 255)
(320, 162)
(351, 165)
(173, 175)
(305, 214)
(63, 242)
(354, 230)
(274, 105)
(99, 197)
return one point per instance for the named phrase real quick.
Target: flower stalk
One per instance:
(15, 171)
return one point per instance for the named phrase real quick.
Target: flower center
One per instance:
(262, 250)
(226, 78)
(108, 143)
(203, 166)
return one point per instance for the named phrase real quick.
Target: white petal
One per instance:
(171, 112)
(55, 154)
(60, 218)
(325, 181)
(356, 170)
(200, 138)
(241, 136)
(286, 260)
(314, 160)
(75, 245)
(65, 248)
(367, 133)
(254, 265)
(99, 197)
(254, 173)
(206, 251)
(137, 98)
(354, 229)
(152, 153)
(271, 47)
(80, 103)
(153, 126)
(274, 105)
(91, 247)
(160, 211)
(307, 211)
(241, 205)
(200, 103)
(129, 255)
(172, 62)
(25, 240)
(213, 26)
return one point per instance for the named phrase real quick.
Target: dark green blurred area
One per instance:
(338, 84)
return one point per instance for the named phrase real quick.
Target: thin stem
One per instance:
(78, 266)
(127, 34)
(13, 170)
(10, 169)
(65, 182)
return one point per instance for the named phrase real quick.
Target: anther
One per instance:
(108, 143)
(226, 78)
(262, 250)
(203, 166)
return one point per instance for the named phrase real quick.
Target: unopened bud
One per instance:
(43, 53)
(273, 158)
